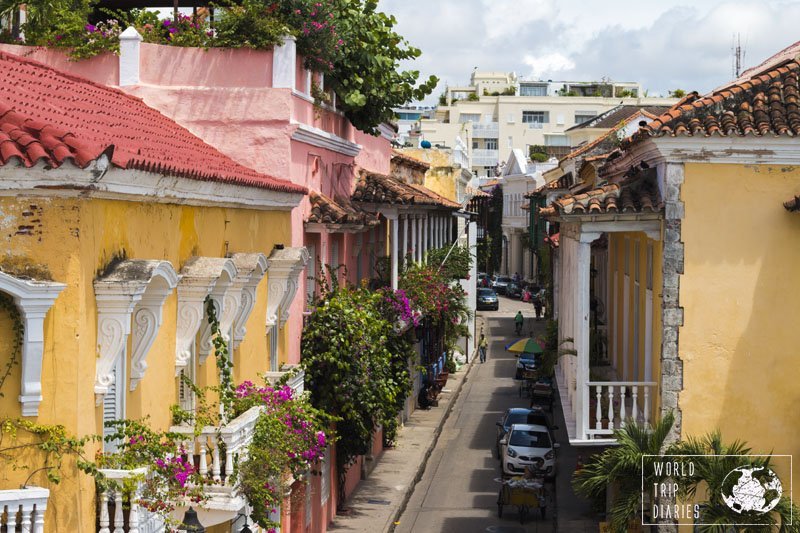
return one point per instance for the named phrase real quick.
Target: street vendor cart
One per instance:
(524, 494)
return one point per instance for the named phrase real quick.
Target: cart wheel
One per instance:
(499, 510)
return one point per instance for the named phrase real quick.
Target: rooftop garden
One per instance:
(350, 41)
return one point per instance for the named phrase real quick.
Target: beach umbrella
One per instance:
(527, 345)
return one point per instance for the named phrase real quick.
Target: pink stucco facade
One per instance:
(229, 99)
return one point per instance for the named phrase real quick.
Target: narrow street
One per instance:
(458, 491)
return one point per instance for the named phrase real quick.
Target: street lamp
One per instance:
(190, 523)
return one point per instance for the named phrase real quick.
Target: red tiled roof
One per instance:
(381, 189)
(614, 116)
(767, 103)
(326, 211)
(638, 196)
(51, 116)
(477, 193)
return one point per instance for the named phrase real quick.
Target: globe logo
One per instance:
(755, 489)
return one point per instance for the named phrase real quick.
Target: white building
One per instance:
(519, 177)
(498, 112)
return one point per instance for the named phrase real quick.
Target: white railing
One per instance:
(535, 125)
(112, 502)
(461, 158)
(615, 402)
(484, 158)
(296, 382)
(24, 508)
(236, 437)
(485, 130)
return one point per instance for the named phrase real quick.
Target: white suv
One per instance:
(528, 445)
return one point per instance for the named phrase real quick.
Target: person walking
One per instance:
(537, 305)
(518, 321)
(482, 345)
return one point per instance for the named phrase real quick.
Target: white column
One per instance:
(395, 226)
(437, 232)
(583, 259)
(426, 229)
(405, 236)
(129, 45)
(414, 233)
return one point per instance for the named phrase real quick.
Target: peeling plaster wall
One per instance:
(74, 238)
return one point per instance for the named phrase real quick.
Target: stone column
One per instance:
(414, 234)
(426, 229)
(405, 236)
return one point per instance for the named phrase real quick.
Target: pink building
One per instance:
(256, 107)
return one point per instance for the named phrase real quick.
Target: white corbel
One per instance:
(251, 268)
(116, 295)
(216, 273)
(34, 299)
(147, 316)
(285, 265)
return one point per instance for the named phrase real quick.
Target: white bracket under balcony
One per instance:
(200, 277)
(34, 299)
(251, 270)
(147, 315)
(285, 265)
(117, 294)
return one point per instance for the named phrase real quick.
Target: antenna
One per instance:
(738, 55)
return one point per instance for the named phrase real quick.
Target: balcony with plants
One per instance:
(351, 48)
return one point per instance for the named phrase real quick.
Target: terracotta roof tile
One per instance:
(51, 116)
(381, 189)
(413, 162)
(765, 104)
(635, 196)
(327, 211)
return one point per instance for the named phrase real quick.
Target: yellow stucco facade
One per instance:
(630, 310)
(442, 175)
(75, 239)
(741, 302)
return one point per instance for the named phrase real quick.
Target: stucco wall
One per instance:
(741, 302)
(75, 239)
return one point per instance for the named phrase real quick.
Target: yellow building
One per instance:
(700, 275)
(118, 226)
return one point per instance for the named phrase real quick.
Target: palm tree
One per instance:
(620, 467)
(714, 461)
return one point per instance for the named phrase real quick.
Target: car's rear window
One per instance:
(485, 292)
(516, 418)
(529, 439)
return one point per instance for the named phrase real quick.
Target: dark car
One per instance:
(521, 415)
(513, 290)
(501, 283)
(487, 299)
(526, 361)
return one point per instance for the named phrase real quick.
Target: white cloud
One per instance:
(664, 44)
(547, 64)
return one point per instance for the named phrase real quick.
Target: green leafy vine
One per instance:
(223, 359)
(17, 335)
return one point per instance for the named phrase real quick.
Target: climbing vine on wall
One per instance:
(17, 334)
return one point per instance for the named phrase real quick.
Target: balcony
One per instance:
(23, 508)
(296, 382)
(536, 125)
(485, 130)
(215, 451)
(121, 511)
(485, 158)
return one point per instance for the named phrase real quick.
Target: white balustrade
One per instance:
(24, 508)
(296, 382)
(112, 503)
(485, 130)
(236, 437)
(482, 157)
(616, 402)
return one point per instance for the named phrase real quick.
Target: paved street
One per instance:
(458, 491)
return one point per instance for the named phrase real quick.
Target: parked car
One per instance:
(501, 283)
(521, 415)
(528, 445)
(513, 290)
(526, 361)
(487, 299)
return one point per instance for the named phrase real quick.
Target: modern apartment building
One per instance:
(499, 112)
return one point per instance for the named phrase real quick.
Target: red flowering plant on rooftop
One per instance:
(288, 440)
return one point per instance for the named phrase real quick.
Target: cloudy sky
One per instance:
(663, 44)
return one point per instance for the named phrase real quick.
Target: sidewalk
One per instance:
(381, 498)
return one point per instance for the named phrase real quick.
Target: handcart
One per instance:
(542, 395)
(525, 494)
(529, 378)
